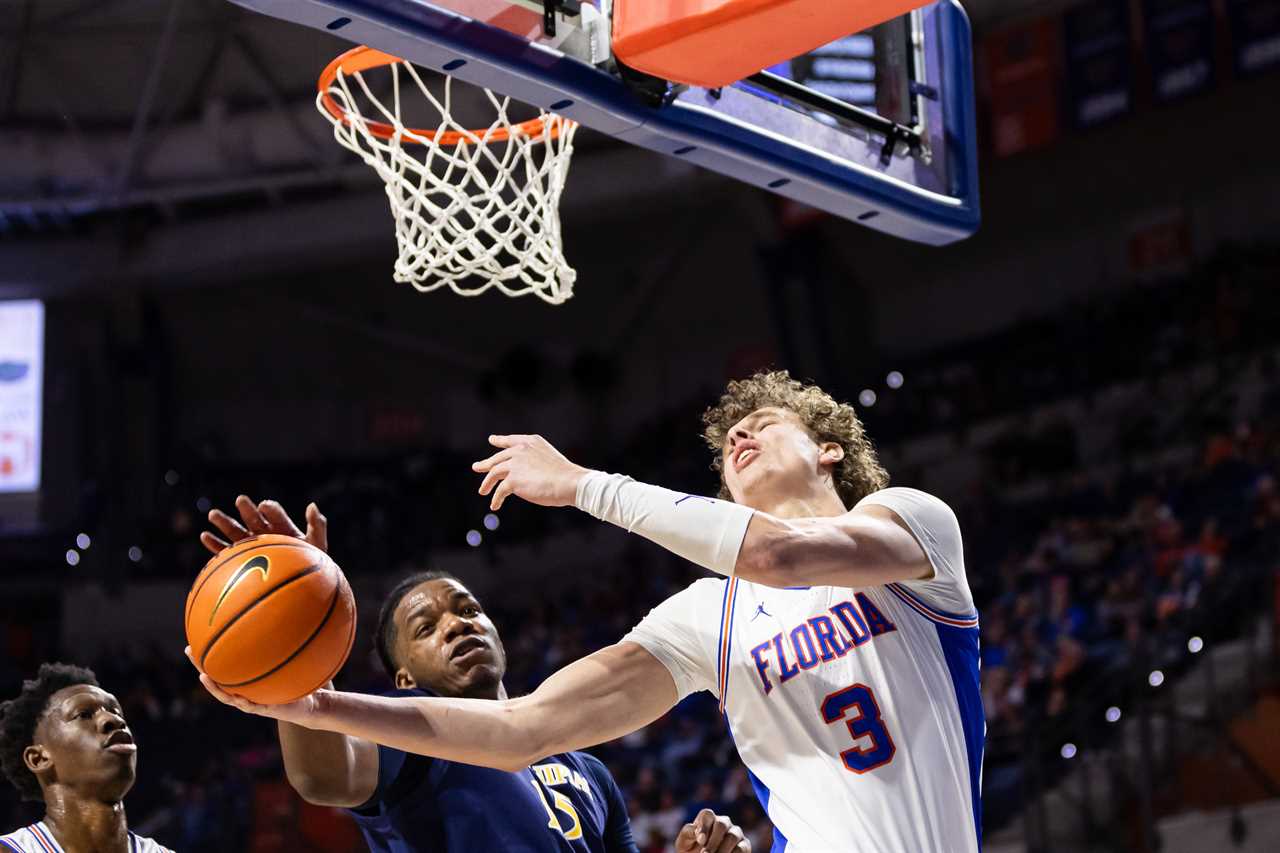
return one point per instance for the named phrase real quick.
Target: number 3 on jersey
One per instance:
(857, 706)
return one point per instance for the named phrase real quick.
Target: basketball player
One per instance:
(64, 740)
(434, 639)
(842, 640)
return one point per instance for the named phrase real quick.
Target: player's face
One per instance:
(83, 742)
(769, 455)
(446, 643)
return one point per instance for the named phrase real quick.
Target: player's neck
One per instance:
(821, 503)
(84, 825)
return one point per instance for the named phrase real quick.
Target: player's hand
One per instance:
(711, 833)
(529, 467)
(265, 517)
(299, 712)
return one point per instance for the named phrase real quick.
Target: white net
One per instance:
(474, 209)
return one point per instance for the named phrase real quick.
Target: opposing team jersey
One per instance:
(567, 803)
(37, 838)
(856, 710)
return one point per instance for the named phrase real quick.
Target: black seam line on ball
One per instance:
(195, 593)
(311, 570)
(333, 602)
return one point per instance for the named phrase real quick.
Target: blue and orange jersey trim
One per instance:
(726, 637)
(42, 839)
(932, 613)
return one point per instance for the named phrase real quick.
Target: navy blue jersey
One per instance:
(567, 803)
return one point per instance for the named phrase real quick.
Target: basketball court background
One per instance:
(219, 316)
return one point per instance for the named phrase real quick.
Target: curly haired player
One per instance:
(842, 640)
(64, 740)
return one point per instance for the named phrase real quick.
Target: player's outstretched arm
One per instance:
(326, 769)
(864, 547)
(596, 699)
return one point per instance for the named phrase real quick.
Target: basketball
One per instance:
(271, 619)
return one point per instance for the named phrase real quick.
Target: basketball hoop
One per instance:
(474, 209)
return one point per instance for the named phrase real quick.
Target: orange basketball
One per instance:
(271, 619)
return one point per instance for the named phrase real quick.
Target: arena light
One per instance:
(73, 557)
(867, 398)
(474, 538)
(83, 541)
(203, 504)
(490, 521)
(893, 380)
(1195, 645)
(1156, 678)
(1113, 714)
(1068, 750)
(171, 477)
(135, 554)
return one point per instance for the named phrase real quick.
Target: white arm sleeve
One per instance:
(934, 526)
(705, 531)
(681, 632)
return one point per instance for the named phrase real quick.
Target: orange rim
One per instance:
(364, 58)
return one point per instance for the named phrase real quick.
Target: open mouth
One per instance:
(121, 741)
(467, 647)
(744, 457)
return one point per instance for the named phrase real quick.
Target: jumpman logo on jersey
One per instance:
(760, 609)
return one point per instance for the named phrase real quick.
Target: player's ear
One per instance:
(405, 681)
(830, 453)
(36, 758)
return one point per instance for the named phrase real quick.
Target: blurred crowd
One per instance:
(1106, 574)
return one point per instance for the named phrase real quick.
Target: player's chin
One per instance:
(118, 776)
(481, 673)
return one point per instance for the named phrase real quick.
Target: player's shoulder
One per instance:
(33, 838)
(585, 760)
(907, 497)
(589, 766)
(142, 844)
(704, 588)
(16, 841)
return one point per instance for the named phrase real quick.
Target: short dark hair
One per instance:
(19, 717)
(385, 638)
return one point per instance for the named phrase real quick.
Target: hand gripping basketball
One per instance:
(299, 712)
(529, 467)
(271, 617)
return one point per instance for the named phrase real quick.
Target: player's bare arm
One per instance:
(861, 547)
(325, 768)
(601, 697)
(864, 547)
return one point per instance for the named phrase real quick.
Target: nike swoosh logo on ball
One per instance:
(259, 563)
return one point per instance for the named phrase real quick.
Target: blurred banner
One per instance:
(1255, 35)
(1179, 36)
(1099, 62)
(1021, 65)
(21, 394)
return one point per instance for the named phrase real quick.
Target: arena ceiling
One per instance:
(150, 113)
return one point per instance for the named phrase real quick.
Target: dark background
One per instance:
(1091, 381)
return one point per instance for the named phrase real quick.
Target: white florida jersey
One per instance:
(856, 711)
(37, 838)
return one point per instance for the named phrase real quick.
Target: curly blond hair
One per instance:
(857, 475)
